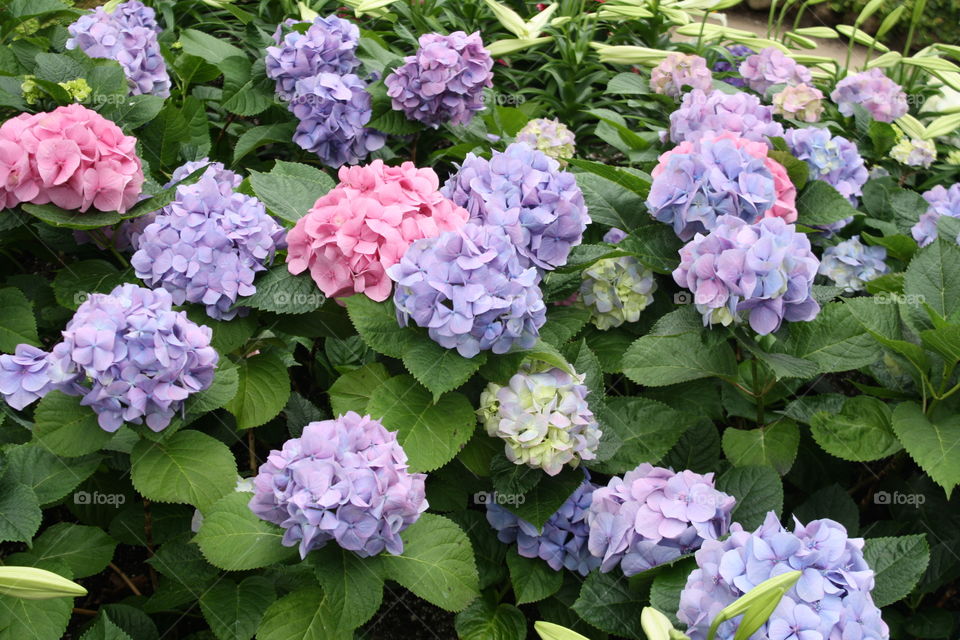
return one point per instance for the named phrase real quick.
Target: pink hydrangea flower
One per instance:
(365, 224)
(72, 157)
(801, 102)
(678, 70)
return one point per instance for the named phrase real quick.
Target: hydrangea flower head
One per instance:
(739, 53)
(707, 114)
(914, 152)
(831, 600)
(470, 291)
(616, 290)
(562, 542)
(344, 480)
(833, 159)
(552, 137)
(327, 46)
(762, 273)
(879, 95)
(800, 102)
(130, 356)
(653, 515)
(364, 225)
(943, 202)
(697, 182)
(444, 81)
(127, 34)
(72, 157)
(770, 67)
(852, 265)
(543, 417)
(208, 244)
(679, 70)
(333, 111)
(525, 192)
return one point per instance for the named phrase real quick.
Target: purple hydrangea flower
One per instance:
(563, 541)
(128, 35)
(543, 418)
(127, 353)
(344, 480)
(762, 272)
(653, 515)
(711, 114)
(333, 111)
(444, 81)
(943, 202)
(327, 46)
(770, 67)
(695, 184)
(469, 289)
(208, 244)
(738, 53)
(831, 600)
(872, 90)
(679, 70)
(852, 265)
(526, 193)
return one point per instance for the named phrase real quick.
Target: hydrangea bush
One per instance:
(475, 321)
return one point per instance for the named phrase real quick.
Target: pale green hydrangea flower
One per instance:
(616, 290)
(552, 137)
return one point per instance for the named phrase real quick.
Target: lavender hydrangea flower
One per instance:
(616, 290)
(444, 81)
(833, 159)
(852, 265)
(562, 543)
(129, 355)
(738, 53)
(333, 111)
(879, 95)
(762, 273)
(208, 244)
(943, 202)
(831, 600)
(128, 35)
(679, 70)
(344, 480)
(711, 114)
(552, 137)
(327, 46)
(770, 67)
(543, 417)
(653, 515)
(526, 193)
(468, 288)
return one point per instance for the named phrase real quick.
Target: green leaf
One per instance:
(638, 430)
(563, 323)
(532, 579)
(105, 629)
(932, 442)
(352, 586)
(67, 429)
(57, 217)
(233, 538)
(197, 143)
(608, 602)
(543, 499)
(48, 475)
(86, 550)
(774, 445)
(247, 91)
(831, 502)
(836, 339)
(43, 619)
(758, 490)
(655, 246)
(226, 380)
(437, 563)
(23, 9)
(263, 390)
(290, 189)
(898, 564)
(931, 277)
(821, 204)
(431, 433)
(188, 467)
(628, 84)
(160, 140)
(352, 391)
(233, 610)
(657, 361)
(19, 516)
(74, 283)
(213, 50)
(376, 322)
(667, 585)
(861, 431)
(487, 620)
(797, 170)
(944, 340)
(621, 176)
(256, 137)
(280, 291)
(17, 325)
(610, 203)
(439, 369)
(131, 112)
(299, 616)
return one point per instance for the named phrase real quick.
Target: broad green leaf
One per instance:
(821, 204)
(667, 585)
(57, 217)
(352, 586)
(74, 283)
(48, 475)
(832, 502)
(352, 391)
(774, 445)
(86, 550)
(487, 620)
(610, 203)
(861, 431)
(439, 369)
(19, 515)
(931, 277)
(836, 339)
(758, 490)
(226, 380)
(161, 138)
(290, 189)
(17, 324)
(932, 442)
(628, 84)
(233, 610)
(256, 137)
(532, 579)
(299, 616)
(188, 467)
(212, 49)
(262, 391)
(638, 430)
(280, 291)
(105, 629)
(376, 322)
(655, 246)
(543, 499)
(233, 538)
(66, 428)
(608, 602)
(563, 323)
(131, 112)
(657, 361)
(28, 619)
(247, 91)
(898, 564)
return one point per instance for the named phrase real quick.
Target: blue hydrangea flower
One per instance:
(525, 192)
(128, 35)
(470, 291)
(711, 114)
(852, 265)
(943, 202)
(563, 541)
(327, 46)
(831, 600)
(833, 159)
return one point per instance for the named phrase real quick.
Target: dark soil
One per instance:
(404, 616)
